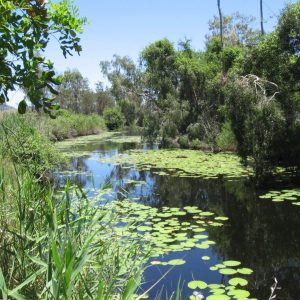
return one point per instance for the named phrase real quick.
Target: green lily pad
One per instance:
(205, 257)
(197, 284)
(227, 271)
(238, 281)
(245, 271)
(176, 262)
(239, 294)
(231, 263)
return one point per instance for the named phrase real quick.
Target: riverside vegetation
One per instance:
(241, 93)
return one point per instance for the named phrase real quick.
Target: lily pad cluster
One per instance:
(169, 229)
(233, 290)
(292, 195)
(70, 146)
(185, 163)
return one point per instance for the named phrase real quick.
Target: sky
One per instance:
(126, 27)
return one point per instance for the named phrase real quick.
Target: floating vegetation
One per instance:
(221, 291)
(69, 146)
(292, 195)
(184, 163)
(166, 229)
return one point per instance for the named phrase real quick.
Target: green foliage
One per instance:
(151, 126)
(26, 27)
(289, 29)
(24, 145)
(159, 60)
(113, 118)
(129, 111)
(66, 124)
(226, 138)
(257, 123)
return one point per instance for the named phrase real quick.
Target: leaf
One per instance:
(22, 107)
(238, 281)
(130, 289)
(3, 285)
(227, 271)
(231, 263)
(197, 284)
(245, 271)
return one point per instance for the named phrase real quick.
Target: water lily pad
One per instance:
(227, 271)
(197, 284)
(238, 281)
(176, 262)
(239, 294)
(245, 271)
(231, 263)
(205, 257)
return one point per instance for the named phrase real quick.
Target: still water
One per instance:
(262, 235)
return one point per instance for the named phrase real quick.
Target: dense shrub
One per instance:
(113, 118)
(24, 145)
(66, 125)
(226, 139)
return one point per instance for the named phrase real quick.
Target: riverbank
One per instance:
(53, 244)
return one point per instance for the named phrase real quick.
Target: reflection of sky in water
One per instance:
(263, 236)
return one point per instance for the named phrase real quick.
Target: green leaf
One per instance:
(238, 281)
(22, 107)
(197, 284)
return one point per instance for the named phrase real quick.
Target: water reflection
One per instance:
(262, 235)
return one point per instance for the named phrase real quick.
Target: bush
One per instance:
(184, 141)
(24, 145)
(226, 139)
(129, 111)
(195, 131)
(113, 118)
(66, 124)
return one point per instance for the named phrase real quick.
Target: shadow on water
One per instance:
(261, 234)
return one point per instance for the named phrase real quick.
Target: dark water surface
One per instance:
(263, 235)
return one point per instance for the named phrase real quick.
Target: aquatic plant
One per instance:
(185, 163)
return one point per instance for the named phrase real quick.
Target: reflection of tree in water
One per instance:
(263, 236)
(80, 179)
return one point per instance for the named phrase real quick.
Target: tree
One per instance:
(74, 92)
(257, 122)
(159, 62)
(236, 30)
(125, 78)
(26, 27)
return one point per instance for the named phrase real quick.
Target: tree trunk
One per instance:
(261, 18)
(221, 22)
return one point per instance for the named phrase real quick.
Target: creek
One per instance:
(259, 234)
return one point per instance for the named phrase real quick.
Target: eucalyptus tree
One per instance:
(236, 28)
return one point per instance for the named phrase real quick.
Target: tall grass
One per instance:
(60, 246)
(66, 125)
(22, 143)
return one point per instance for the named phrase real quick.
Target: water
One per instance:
(261, 234)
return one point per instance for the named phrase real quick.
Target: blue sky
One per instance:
(125, 27)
